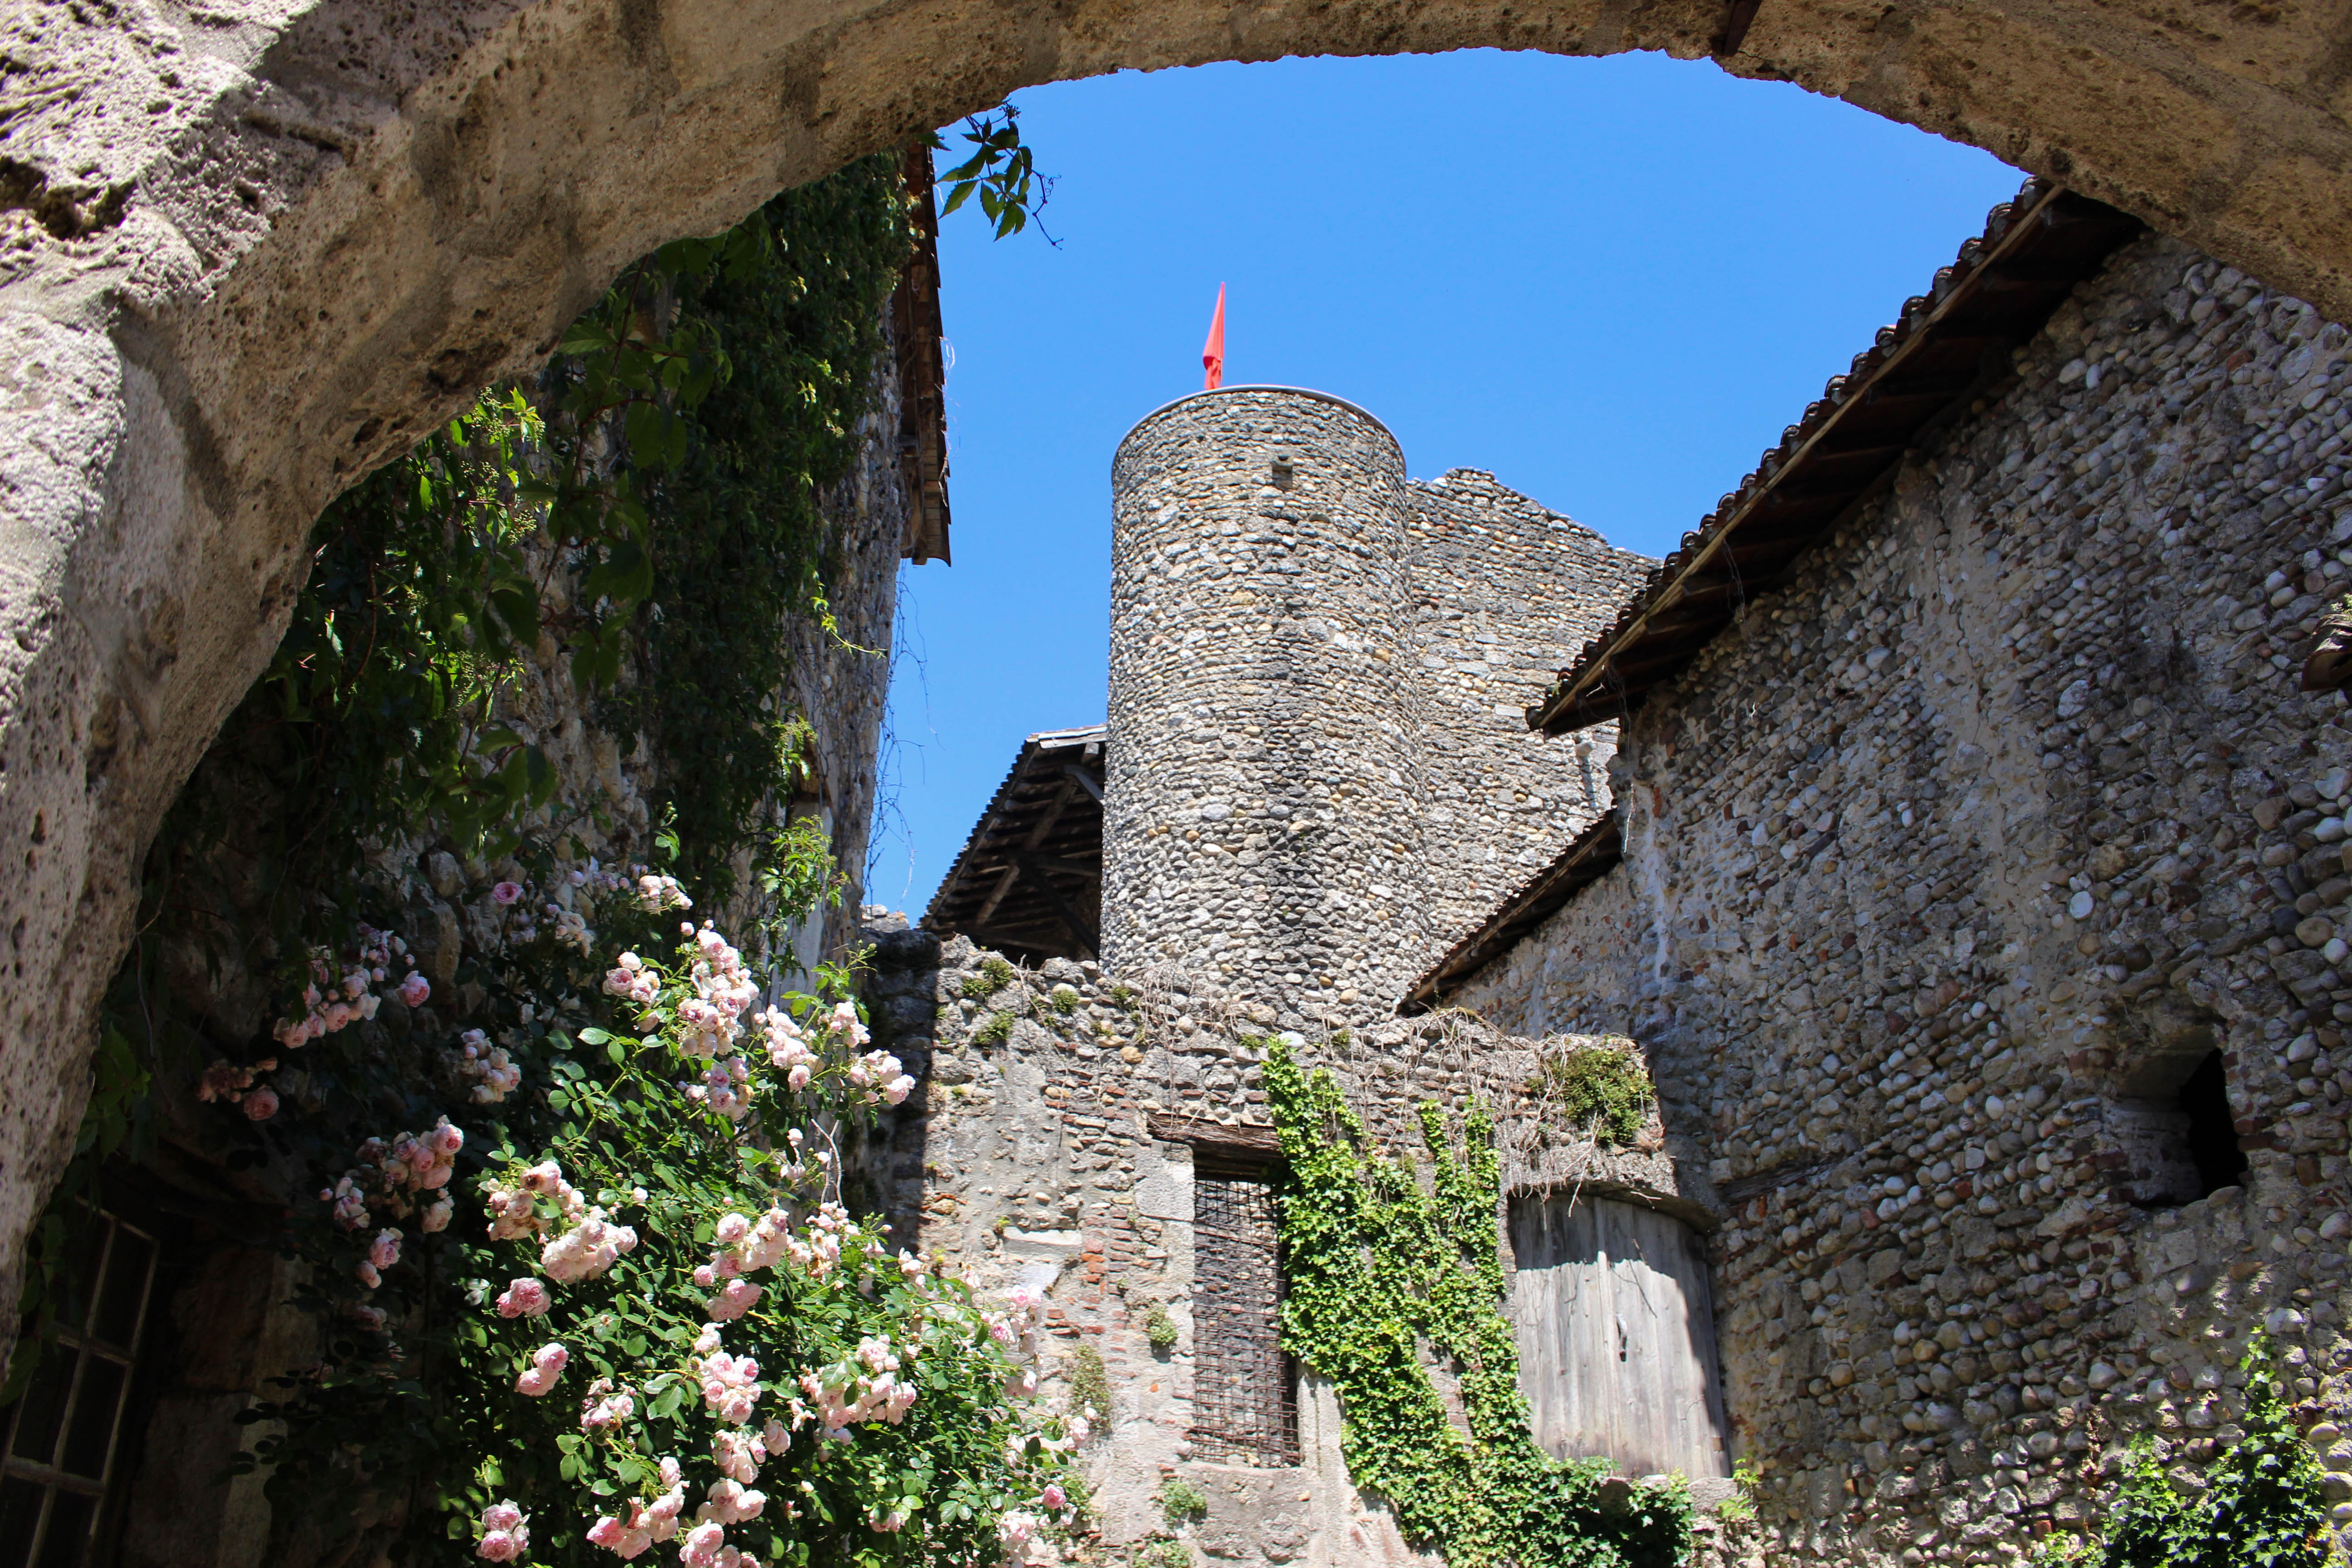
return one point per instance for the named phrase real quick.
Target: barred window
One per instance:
(64, 1434)
(1245, 1389)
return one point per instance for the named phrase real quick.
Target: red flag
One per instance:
(1213, 353)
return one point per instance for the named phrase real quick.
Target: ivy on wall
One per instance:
(1377, 1268)
(740, 534)
(712, 390)
(2262, 1506)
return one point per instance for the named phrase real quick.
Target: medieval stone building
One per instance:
(1944, 819)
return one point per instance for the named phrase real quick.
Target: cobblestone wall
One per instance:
(1028, 1156)
(1504, 592)
(1263, 811)
(1316, 681)
(1942, 867)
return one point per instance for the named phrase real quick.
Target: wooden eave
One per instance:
(922, 375)
(1029, 879)
(1951, 347)
(1587, 857)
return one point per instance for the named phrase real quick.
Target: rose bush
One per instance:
(696, 1346)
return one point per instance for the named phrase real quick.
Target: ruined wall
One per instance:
(1944, 866)
(1028, 1157)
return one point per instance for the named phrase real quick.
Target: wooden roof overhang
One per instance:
(1587, 857)
(1951, 348)
(1029, 880)
(922, 374)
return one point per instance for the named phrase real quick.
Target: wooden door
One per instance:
(1616, 1335)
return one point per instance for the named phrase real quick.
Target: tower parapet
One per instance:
(1263, 808)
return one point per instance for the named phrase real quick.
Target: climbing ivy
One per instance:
(1378, 1266)
(741, 540)
(2262, 1506)
(647, 509)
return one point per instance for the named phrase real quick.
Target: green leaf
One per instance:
(585, 336)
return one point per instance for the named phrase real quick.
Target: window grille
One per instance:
(1245, 1390)
(64, 1434)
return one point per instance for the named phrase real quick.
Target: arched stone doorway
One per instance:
(254, 252)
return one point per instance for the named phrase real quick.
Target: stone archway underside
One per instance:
(251, 251)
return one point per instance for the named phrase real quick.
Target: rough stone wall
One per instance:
(1027, 1157)
(251, 250)
(1262, 802)
(1320, 770)
(842, 683)
(1943, 866)
(1504, 592)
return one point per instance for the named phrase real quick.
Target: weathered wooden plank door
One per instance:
(1616, 1333)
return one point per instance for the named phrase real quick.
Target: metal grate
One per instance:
(1245, 1392)
(63, 1447)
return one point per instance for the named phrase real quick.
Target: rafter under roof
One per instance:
(1029, 880)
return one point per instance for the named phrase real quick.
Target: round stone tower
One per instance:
(1262, 819)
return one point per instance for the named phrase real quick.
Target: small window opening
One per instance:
(64, 1435)
(2212, 1135)
(2175, 1128)
(1245, 1389)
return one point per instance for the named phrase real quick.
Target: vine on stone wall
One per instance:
(1379, 1266)
(739, 537)
(2262, 1506)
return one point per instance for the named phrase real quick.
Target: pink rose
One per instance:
(415, 989)
(366, 1275)
(261, 1104)
(1054, 1497)
(702, 1544)
(384, 1251)
(508, 892)
(523, 1298)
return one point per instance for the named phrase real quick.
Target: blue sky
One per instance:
(1611, 282)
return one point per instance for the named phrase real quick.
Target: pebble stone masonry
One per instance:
(1962, 871)
(1945, 866)
(1262, 809)
(1318, 669)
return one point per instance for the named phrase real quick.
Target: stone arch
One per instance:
(259, 248)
